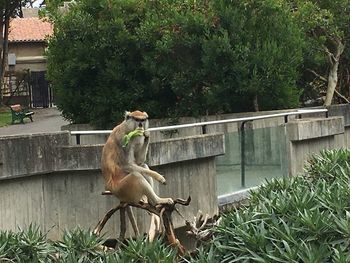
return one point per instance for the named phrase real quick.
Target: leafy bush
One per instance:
(172, 58)
(77, 245)
(291, 219)
(25, 246)
(329, 164)
(299, 219)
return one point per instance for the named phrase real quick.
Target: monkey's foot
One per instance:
(167, 201)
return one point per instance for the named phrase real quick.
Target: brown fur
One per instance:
(124, 168)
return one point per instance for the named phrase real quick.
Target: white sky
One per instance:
(37, 3)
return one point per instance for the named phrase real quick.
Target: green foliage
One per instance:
(172, 58)
(141, 250)
(77, 245)
(25, 246)
(326, 25)
(299, 219)
(265, 51)
(291, 219)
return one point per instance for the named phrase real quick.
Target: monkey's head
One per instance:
(136, 119)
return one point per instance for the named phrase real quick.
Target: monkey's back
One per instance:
(113, 158)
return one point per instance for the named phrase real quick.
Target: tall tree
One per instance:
(8, 9)
(326, 26)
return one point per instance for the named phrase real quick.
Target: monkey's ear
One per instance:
(127, 115)
(146, 115)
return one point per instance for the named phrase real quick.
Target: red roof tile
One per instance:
(31, 29)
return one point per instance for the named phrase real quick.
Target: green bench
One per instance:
(18, 113)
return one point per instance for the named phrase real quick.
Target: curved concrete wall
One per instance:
(58, 186)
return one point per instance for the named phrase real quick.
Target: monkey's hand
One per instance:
(130, 135)
(146, 133)
(162, 180)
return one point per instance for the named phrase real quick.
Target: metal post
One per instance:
(204, 129)
(286, 119)
(243, 154)
(327, 115)
(77, 137)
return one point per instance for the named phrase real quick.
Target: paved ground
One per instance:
(45, 120)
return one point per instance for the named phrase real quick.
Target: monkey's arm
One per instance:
(141, 155)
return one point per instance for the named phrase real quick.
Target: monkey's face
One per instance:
(136, 119)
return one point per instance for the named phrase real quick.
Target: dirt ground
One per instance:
(44, 120)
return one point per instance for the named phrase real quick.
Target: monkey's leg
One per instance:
(132, 220)
(133, 186)
(122, 224)
(148, 172)
(154, 227)
(153, 198)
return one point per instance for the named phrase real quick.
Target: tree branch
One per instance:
(317, 75)
(164, 211)
(341, 96)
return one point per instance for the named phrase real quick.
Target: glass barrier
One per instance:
(264, 158)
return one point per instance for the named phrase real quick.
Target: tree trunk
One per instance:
(333, 72)
(4, 55)
(255, 102)
(1, 51)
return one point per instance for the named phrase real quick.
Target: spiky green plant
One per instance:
(28, 245)
(329, 164)
(300, 219)
(79, 245)
(141, 250)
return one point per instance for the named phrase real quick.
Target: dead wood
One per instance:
(164, 211)
(200, 228)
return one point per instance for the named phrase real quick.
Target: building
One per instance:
(25, 81)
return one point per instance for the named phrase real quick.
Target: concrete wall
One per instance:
(309, 136)
(29, 55)
(46, 181)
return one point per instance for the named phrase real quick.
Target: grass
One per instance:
(5, 117)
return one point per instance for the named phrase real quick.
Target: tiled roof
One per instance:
(30, 29)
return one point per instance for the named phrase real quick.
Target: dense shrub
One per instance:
(301, 219)
(172, 58)
(77, 245)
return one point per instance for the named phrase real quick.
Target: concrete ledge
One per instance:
(28, 155)
(236, 196)
(184, 149)
(340, 110)
(23, 155)
(44, 180)
(305, 129)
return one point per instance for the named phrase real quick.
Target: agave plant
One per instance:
(8, 246)
(27, 245)
(79, 245)
(329, 164)
(300, 219)
(141, 250)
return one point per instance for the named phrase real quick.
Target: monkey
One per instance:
(123, 166)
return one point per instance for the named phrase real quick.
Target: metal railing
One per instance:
(243, 121)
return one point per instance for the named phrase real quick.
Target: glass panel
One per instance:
(265, 158)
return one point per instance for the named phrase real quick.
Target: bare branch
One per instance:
(164, 211)
(317, 75)
(330, 55)
(341, 96)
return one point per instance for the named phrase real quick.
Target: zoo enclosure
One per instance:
(253, 154)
